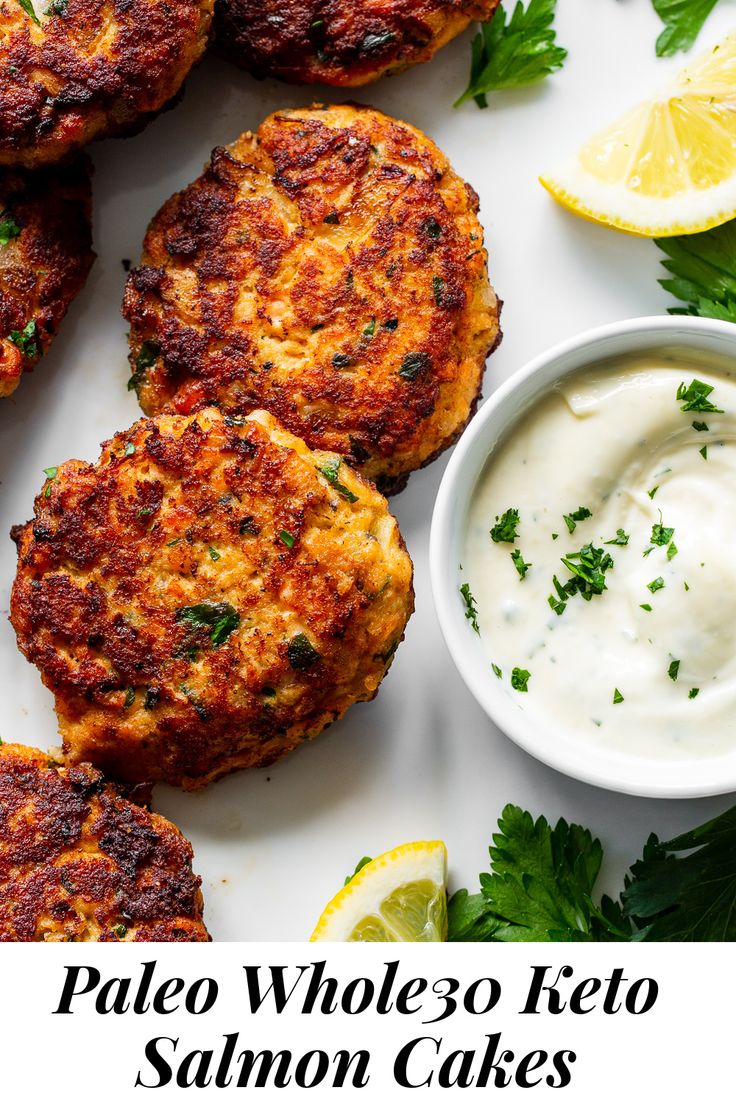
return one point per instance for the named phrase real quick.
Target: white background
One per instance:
(680, 1051)
(422, 761)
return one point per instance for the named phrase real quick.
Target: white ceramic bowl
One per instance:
(565, 751)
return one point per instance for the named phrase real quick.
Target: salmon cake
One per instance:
(45, 257)
(75, 70)
(339, 42)
(81, 863)
(329, 268)
(207, 596)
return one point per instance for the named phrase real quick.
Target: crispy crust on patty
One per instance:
(91, 69)
(45, 257)
(79, 863)
(329, 268)
(207, 596)
(338, 42)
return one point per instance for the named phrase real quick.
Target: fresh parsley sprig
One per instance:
(512, 53)
(703, 272)
(542, 879)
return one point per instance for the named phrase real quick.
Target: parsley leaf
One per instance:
(656, 584)
(471, 919)
(520, 679)
(621, 538)
(505, 528)
(519, 563)
(661, 534)
(695, 397)
(688, 897)
(683, 20)
(222, 618)
(580, 514)
(363, 862)
(539, 889)
(513, 54)
(617, 697)
(703, 272)
(471, 610)
(674, 669)
(147, 356)
(26, 340)
(9, 229)
(330, 471)
(301, 653)
(588, 567)
(27, 7)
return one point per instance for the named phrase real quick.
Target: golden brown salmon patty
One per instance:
(80, 863)
(45, 256)
(340, 42)
(329, 268)
(85, 69)
(207, 596)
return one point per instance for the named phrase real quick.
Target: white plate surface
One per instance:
(423, 760)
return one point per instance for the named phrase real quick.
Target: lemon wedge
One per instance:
(669, 165)
(400, 897)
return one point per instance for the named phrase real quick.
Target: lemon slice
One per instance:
(400, 897)
(669, 165)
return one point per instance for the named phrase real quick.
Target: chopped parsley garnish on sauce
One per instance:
(617, 697)
(220, 617)
(646, 606)
(471, 610)
(672, 551)
(519, 563)
(520, 679)
(9, 229)
(580, 514)
(620, 538)
(330, 470)
(496, 670)
(656, 584)
(695, 397)
(674, 669)
(588, 567)
(286, 537)
(504, 531)
(701, 427)
(704, 452)
(694, 692)
(559, 603)
(653, 491)
(661, 534)
(301, 653)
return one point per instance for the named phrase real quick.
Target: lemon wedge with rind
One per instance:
(668, 166)
(400, 897)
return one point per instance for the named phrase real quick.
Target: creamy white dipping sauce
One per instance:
(604, 439)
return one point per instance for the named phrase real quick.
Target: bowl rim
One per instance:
(605, 768)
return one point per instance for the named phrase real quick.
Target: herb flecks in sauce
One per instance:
(504, 531)
(471, 610)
